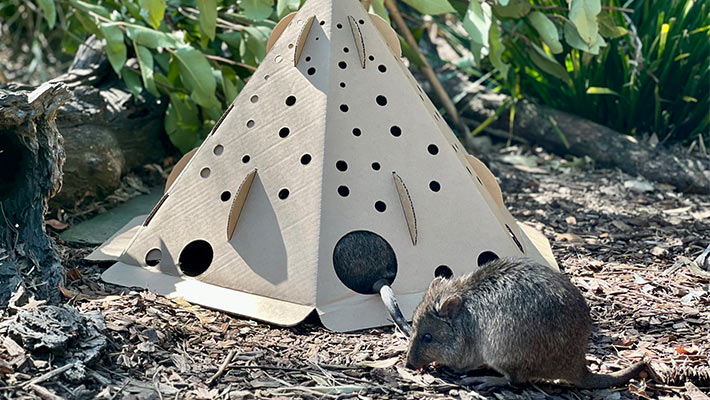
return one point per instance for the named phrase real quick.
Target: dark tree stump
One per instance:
(31, 159)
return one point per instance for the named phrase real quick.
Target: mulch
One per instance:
(626, 246)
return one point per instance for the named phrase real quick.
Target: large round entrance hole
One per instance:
(195, 258)
(152, 258)
(361, 258)
(486, 257)
(443, 271)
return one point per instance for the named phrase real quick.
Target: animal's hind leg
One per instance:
(485, 382)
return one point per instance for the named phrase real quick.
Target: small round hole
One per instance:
(342, 84)
(283, 194)
(153, 257)
(376, 166)
(381, 100)
(254, 98)
(380, 206)
(345, 50)
(305, 159)
(443, 271)
(342, 65)
(357, 132)
(246, 158)
(225, 196)
(278, 59)
(195, 258)
(344, 108)
(486, 257)
(283, 132)
(311, 71)
(251, 123)
(317, 37)
(341, 165)
(218, 150)
(343, 191)
(266, 77)
(290, 100)
(322, 22)
(434, 186)
(205, 172)
(290, 45)
(382, 68)
(308, 58)
(433, 149)
(340, 26)
(396, 131)
(371, 58)
(361, 22)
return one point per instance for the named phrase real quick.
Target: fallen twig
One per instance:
(222, 367)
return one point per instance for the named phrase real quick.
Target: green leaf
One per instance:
(600, 90)
(255, 41)
(496, 49)
(90, 8)
(477, 22)
(378, 7)
(284, 7)
(573, 39)
(87, 23)
(208, 17)
(547, 30)
(152, 11)
(548, 64)
(132, 80)
(512, 9)
(151, 38)
(608, 27)
(49, 10)
(182, 122)
(233, 38)
(432, 7)
(257, 9)
(583, 14)
(230, 80)
(115, 47)
(196, 75)
(145, 61)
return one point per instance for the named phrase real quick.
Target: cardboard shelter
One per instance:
(331, 135)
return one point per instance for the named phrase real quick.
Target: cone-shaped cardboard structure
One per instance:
(330, 171)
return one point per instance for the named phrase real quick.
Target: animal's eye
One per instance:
(426, 338)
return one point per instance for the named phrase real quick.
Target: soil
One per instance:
(628, 251)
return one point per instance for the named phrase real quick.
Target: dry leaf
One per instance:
(380, 363)
(570, 237)
(56, 225)
(571, 220)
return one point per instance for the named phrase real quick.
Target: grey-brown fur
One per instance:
(518, 317)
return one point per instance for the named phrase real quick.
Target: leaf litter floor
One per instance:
(625, 244)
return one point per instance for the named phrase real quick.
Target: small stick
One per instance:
(222, 367)
(44, 393)
(49, 375)
(429, 72)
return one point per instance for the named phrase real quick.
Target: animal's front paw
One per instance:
(483, 383)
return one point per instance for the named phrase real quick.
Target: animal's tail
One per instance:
(602, 381)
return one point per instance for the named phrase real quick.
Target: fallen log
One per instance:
(31, 158)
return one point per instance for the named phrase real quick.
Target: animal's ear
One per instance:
(436, 282)
(450, 306)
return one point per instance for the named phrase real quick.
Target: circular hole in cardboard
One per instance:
(283, 194)
(341, 165)
(266, 77)
(311, 71)
(283, 132)
(308, 58)
(434, 186)
(306, 158)
(195, 258)
(339, 26)
(290, 45)
(342, 84)
(246, 158)
(382, 68)
(371, 58)
(205, 172)
(344, 108)
(278, 59)
(290, 100)
(486, 257)
(443, 271)
(254, 98)
(218, 150)
(396, 131)
(433, 149)
(342, 65)
(343, 190)
(322, 22)
(515, 239)
(251, 123)
(376, 166)
(225, 196)
(317, 37)
(361, 22)
(153, 257)
(361, 259)
(345, 49)
(380, 206)
(357, 132)
(381, 100)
